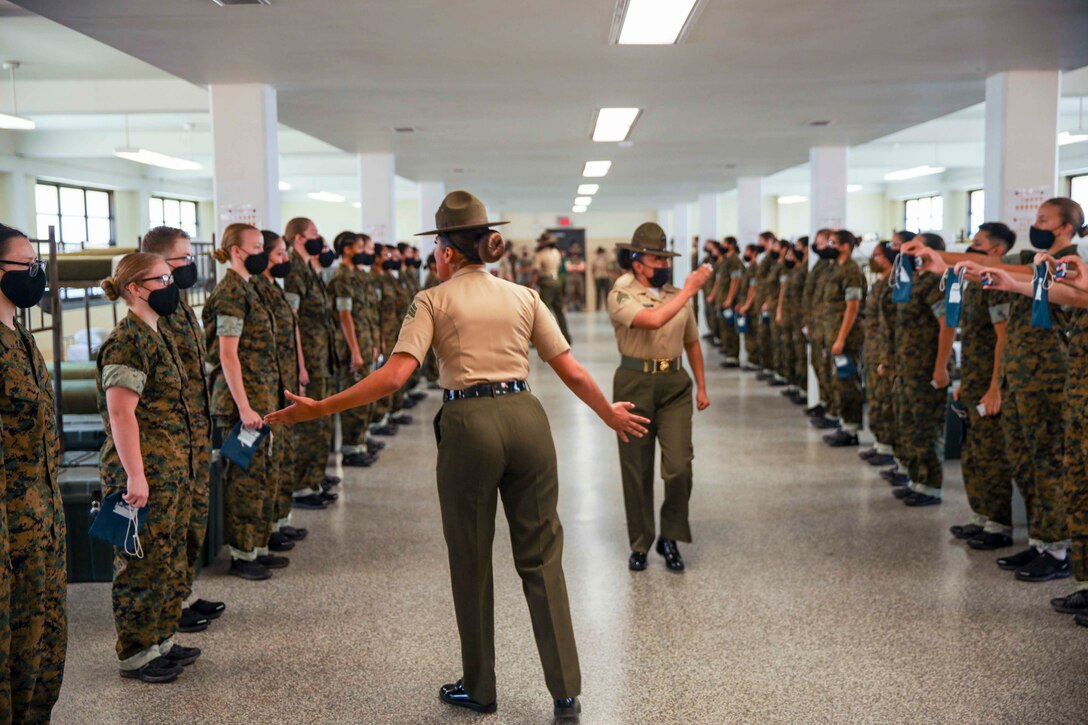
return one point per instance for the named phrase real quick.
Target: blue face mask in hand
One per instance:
(902, 278)
(742, 324)
(119, 524)
(844, 367)
(727, 315)
(952, 284)
(1040, 306)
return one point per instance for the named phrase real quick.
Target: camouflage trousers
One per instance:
(146, 609)
(783, 344)
(249, 499)
(285, 466)
(768, 353)
(751, 341)
(1032, 421)
(798, 376)
(354, 421)
(881, 399)
(199, 494)
(848, 400)
(34, 636)
(819, 365)
(1076, 463)
(920, 413)
(312, 440)
(730, 338)
(987, 474)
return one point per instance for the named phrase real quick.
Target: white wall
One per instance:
(602, 228)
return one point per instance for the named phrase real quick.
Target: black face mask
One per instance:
(367, 260)
(827, 253)
(256, 263)
(281, 270)
(358, 259)
(391, 265)
(972, 250)
(165, 301)
(185, 276)
(748, 259)
(415, 263)
(326, 258)
(23, 290)
(1041, 238)
(773, 255)
(661, 277)
(313, 246)
(790, 264)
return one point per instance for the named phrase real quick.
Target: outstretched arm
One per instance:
(385, 381)
(617, 416)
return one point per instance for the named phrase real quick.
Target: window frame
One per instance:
(972, 229)
(1069, 187)
(58, 217)
(162, 199)
(930, 198)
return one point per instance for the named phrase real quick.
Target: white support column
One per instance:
(1021, 144)
(749, 210)
(431, 194)
(377, 186)
(827, 209)
(246, 148)
(14, 207)
(708, 216)
(681, 233)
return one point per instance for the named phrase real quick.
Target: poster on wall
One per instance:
(1021, 206)
(239, 214)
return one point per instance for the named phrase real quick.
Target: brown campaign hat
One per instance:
(547, 239)
(460, 210)
(649, 238)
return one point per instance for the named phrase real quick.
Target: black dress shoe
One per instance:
(967, 531)
(816, 411)
(309, 501)
(401, 419)
(902, 492)
(917, 500)
(989, 540)
(882, 459)
(777, 383)
(373, 447)
(294, 534)
(417, 395)
(251, 570)
(192, 621)
(273, 562)
(1081, 619)
(730, 365)
(867, 454)
(183, 656)
(823, 423)
(359, 460)
(673, 560)
(1020, 560)
(746, 367)
(761, 375)
(278, 542)
(841, 439)
(1043, 569)
(455, 695)
(799, 398)
(637, 561)
(327, 496)
(327, 485)
(384, 430)
(568, 708)
(331, 481)
(895, 478)
(408, 404)
(1075, 603)
(211, 610)
(158, 670)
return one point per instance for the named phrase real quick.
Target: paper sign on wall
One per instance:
(239, 214)
(1021, 207)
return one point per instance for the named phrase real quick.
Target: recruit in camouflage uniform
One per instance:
(33, 585)
(825, 371)
(793, 320)
(309, 298)
(780, 328)
(751, 314)
(188, 340)
(732, 271)
(709, 308)
(714, 299)
(275, 301)
(987, 474)
(407, 287)
(388, 319)
(765, 307)
(811, 301)
(1034, 373)
(146, 608)
(430, 365)
(235, 309)
(351, 294)
(1076, 446)
(845, 283)
(879, 353)
(920, 408)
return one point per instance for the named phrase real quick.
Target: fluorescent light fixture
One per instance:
(583, 200)
(595, 169)
(154, 158)
(851, 188)
(792, 199)
(578, 209)
(588, 188)
(284, 186)
(16, 123)
(913, 173)
(1065, 138)
(654, 22)
(613, 124)
(325, 196)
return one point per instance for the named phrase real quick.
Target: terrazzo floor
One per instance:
(811, 596)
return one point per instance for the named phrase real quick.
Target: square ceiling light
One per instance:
(596, 169)
(583, 200)
(651, 22)
(578, 209)
(588, 189)
(614, 124)
(914, 172)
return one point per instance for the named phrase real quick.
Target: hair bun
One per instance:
(491, 247)
(109, 286)
(221, 255)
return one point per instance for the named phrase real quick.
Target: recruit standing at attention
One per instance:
(654, 325)
(493, 442)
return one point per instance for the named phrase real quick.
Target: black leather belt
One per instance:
(487, 390)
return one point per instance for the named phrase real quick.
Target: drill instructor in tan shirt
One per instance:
(546, 264)
(654, 326)
(494, 442)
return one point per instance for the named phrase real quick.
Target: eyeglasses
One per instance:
(33, 268)
(188, 259)
(166, 279)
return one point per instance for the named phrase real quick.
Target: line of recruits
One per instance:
(162, 414)
(1022, 321)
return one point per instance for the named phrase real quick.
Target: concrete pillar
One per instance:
(1021, 159)
(681, 234)
(246, 152)
(749, 209)
(708, 216)
(377, 187)
(14, 207)
(827, 209)
(431, 194)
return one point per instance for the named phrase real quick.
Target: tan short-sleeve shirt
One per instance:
(547, 262)
(480, 327)
(666, 342)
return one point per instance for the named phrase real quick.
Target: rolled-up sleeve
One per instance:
(229, 326)
(623, 307)
(417, 330)
(123, 376)
(999, 313)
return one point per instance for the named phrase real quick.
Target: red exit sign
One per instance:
(563, 221)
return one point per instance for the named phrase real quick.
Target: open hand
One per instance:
(301, 410)
(624, 422)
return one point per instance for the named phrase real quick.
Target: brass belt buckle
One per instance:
(663, 365)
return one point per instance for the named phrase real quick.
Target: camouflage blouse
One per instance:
(351, 294)
(918, 327)
(275, 301)
(845, 283)
(188, 339)
(310, 300)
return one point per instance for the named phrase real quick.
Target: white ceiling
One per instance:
(506, 91)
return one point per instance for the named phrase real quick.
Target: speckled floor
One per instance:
(811, 596)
